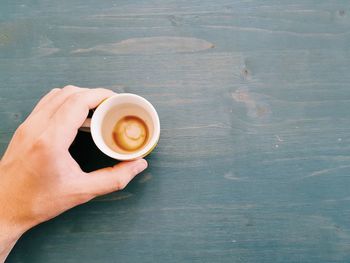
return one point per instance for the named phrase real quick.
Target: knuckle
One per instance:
(54, 90)
(120, 185)
(21, 130)
(42, 143)
(70, 88)
(22, 127)
(102, 89)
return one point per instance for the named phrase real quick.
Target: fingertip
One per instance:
(138, 166)
(142, 163)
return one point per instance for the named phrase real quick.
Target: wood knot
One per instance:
(341, 12)
(16, 116)
(245, 73)
(175, 21)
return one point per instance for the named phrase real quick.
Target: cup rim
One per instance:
(96, 133)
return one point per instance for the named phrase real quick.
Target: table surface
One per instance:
(253, 97)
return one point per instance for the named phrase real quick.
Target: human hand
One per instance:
(39, 179)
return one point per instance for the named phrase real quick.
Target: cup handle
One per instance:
(85, 127)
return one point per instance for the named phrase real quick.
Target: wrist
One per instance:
(10, 231)
(9, 235)
(12, 224)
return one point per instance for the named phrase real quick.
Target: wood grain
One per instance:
(253, 96)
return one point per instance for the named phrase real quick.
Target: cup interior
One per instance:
(109, 112)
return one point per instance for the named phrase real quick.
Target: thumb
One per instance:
(110, 179)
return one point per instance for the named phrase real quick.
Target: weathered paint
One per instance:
(252, 163)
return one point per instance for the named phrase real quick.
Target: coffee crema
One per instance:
(130, 133)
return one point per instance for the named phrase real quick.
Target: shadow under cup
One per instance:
(113, 109)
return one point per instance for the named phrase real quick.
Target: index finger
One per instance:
(72, 113)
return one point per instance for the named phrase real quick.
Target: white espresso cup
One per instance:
(112, 110)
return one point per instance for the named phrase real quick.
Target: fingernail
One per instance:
(140, 165)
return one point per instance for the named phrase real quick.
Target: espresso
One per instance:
(130, 133)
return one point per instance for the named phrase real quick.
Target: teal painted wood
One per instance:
(254, 96)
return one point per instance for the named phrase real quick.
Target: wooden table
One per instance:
(254, 98)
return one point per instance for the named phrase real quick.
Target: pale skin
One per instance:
(39, 179)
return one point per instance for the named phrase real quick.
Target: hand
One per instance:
(38, 177)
